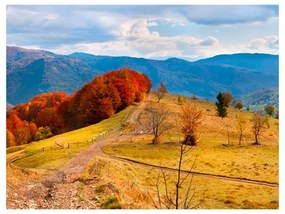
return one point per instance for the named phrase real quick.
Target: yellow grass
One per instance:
(134, 183)
(53, 156)
(245, 161)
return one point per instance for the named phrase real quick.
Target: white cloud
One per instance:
(264, 43)
(112, 30)
(135, 39)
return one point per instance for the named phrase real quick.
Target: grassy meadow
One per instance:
(116, 184)
(241, 161)
(133, 185)
(53, 157)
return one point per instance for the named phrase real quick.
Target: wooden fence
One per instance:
(77, 144)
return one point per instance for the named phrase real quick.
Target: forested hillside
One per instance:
(55, 112)
(31, 72)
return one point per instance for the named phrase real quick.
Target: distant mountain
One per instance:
(263, 63)
(30, 72)
(261, 97)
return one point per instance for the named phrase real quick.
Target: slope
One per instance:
(239, 74)
(110, 177)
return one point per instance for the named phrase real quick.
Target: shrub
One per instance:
(111, 203)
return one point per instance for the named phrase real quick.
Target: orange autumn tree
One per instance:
(97, 100)
(24, 119)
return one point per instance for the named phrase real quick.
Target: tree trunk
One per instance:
(155, 140)
(240, 139)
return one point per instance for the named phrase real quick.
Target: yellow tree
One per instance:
(191, 118)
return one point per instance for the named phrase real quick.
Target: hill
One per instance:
(261, 98)
(52, 113)
(30, 72)
(129, 166)
(262, 63)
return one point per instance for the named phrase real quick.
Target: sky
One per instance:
(151, 31)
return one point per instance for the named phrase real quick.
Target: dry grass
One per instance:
(246, 161)
(134, 185)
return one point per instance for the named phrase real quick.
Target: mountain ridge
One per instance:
(204, 78)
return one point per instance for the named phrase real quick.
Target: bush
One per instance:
(239, 105)
(180, 99)
(111, 203)
(43, 133)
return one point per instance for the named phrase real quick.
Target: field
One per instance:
(109, 182)
(244, 161)
(53, 157)
(134, 184)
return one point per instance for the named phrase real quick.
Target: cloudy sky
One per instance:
(189, 32)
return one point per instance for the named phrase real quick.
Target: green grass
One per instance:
(15, 149)
(54, 158)
(111, 203)
(257, 107)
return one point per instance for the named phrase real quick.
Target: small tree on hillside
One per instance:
(191, 118)
(161, 91)
(277, 115)
(221, 106)
(178, 193)
(180, 99)
(239, 105)
(259, 123)
(270, 110)
(240, 126)
(159, 121)
(228, 98)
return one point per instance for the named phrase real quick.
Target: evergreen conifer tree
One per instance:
(221, 108)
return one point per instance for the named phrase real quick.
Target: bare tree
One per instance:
(160, 91)
(181, 195)
(159, 121)
(191, 118)
(240, 126)
(178, 196)
(259, 123)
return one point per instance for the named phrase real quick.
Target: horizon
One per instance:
(159, 59)
(189, 32)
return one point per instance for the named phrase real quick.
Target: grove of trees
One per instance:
(55, 112)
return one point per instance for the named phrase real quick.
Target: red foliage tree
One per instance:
(10, 138)
(95, 101)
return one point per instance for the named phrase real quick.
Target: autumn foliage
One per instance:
(97, 100)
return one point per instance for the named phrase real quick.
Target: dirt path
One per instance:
(61, 189)
(136, 114)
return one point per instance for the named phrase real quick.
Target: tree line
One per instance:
(54, 112)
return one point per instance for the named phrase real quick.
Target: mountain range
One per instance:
(30, 72)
